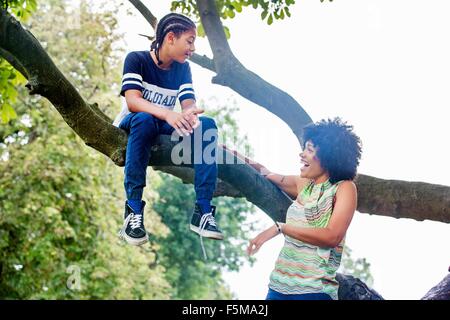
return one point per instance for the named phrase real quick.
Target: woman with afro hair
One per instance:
(316, 222)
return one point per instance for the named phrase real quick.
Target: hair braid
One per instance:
(172, 22)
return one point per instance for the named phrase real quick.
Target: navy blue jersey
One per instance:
(158, 86)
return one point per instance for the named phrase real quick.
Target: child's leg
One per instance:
(203, 155)
(142, 129)
(204, 146)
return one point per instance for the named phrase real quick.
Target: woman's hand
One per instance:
(260, 239)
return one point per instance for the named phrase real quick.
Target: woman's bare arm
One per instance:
(291, 184)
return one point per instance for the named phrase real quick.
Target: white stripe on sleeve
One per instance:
(186, 86)
(132, 75)
(132, 82)
(186, 92)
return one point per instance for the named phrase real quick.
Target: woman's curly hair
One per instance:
(338, 147)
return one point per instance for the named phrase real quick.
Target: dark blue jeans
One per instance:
(142, 129)
(275, 295)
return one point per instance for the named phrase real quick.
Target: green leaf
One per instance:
(227, 32)
(287, 12)
(7, 113)
(270, 20)
(237, 6)
(264, 15)
(200, 31)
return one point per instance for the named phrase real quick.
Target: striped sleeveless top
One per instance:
(302, 267)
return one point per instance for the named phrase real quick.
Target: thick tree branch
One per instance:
(12, 61)
(45, 78)
(186, 174)
(203, 61)
(231, 73)
(403, 199)
(146, 13)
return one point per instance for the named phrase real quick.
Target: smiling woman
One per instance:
(318, 219)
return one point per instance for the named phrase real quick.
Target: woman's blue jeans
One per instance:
(275, 295)
(143, 128)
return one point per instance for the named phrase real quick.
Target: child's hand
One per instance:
(190, 115)
(179, 123)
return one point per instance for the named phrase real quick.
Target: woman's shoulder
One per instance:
(345, 187)
(302, 183)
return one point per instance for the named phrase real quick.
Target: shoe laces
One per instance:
(206, 219)
(134, 220)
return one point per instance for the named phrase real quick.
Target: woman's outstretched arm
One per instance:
(291, 184)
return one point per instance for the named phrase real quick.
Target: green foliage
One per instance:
(21, 9)
(270, 9)
(56, 210)
(359, 268)
(10, 78)
(61, 203)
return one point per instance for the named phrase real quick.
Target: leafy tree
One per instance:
(10, 78)
(357, 267)
(58, 204)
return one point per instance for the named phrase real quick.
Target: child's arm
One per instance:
(290, 184)
(191, 111)
(136, 103)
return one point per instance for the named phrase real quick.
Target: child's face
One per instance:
(182, 47)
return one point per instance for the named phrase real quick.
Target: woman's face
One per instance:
(182, 47)
(311, 168)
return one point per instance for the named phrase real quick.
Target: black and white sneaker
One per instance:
(204, 224)
(133, 230)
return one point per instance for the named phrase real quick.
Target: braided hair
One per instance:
(175, 22)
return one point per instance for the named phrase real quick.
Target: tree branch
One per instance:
(12, 61)
(146, 13)
(203, 61)
(46, 79)
(231, 73)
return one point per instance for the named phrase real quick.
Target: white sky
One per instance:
(381, 65)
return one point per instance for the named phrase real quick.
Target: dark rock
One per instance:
(351, 288)
(439, 292)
